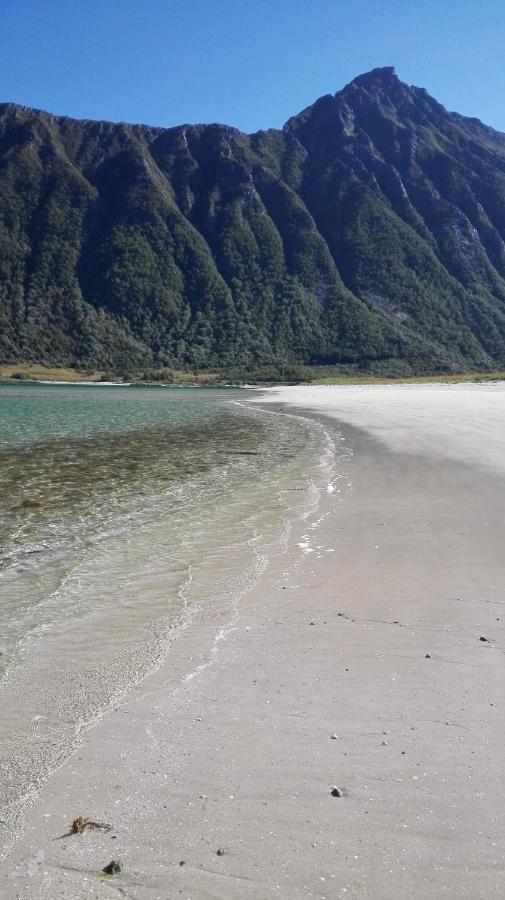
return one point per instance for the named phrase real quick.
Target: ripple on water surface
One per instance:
(124, 510)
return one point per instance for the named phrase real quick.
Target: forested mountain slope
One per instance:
(369, 230)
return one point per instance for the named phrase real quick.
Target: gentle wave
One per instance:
(92, 609)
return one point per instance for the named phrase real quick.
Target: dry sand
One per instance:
(368, 628)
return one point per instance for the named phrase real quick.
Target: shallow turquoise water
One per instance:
(123, 511)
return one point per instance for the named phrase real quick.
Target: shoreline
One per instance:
(364, 629)
(35, 373)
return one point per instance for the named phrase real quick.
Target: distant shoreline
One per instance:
(33, 373)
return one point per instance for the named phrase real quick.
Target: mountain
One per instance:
(368, 231)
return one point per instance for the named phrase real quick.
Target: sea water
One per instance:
(123, 512)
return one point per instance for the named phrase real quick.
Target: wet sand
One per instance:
(367, 628)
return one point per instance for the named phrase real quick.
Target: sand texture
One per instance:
(356, 662)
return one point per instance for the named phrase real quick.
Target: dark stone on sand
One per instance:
(482, 638)
(112, 868)
(336, 792)
(219, 852)
(182, 862)
(428, 656)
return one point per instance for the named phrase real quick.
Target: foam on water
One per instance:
(126, 515)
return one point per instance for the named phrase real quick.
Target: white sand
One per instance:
(464, 422)
(230, 745)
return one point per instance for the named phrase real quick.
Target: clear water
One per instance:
(124, 511)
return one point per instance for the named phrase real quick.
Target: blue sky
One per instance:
(249, 63)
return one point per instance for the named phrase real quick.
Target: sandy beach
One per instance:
(369, 657)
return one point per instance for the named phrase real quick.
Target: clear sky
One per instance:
(249, 63)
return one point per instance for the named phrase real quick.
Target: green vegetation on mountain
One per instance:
(368, 234)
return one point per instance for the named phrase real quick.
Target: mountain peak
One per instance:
(381, 77)
(364, 89)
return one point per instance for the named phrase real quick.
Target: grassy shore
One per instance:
(19, 372)
(414, 379)
(35, 372)
(22, 372)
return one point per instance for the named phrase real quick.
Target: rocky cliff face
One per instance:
(369, 230)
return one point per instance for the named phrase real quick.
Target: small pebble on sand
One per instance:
(112, 868)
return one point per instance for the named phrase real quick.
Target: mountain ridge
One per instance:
(368, 231)
(357, 80)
